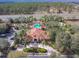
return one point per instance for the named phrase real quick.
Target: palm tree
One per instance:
(30, 19)
(44, 18)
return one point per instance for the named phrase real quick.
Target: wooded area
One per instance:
(29, 8)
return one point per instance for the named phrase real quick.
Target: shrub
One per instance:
(42, 50)
(36, 50)
(28, 50)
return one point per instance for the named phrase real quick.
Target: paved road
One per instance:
(65, 15)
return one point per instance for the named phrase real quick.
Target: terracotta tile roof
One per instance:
(38, 34)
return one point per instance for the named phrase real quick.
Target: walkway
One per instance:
(11, 36)
(9, 39)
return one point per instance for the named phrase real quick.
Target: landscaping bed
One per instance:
(36, 50)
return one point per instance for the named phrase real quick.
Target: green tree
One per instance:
(75, 44)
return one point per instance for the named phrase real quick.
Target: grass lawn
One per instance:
(17, 54)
